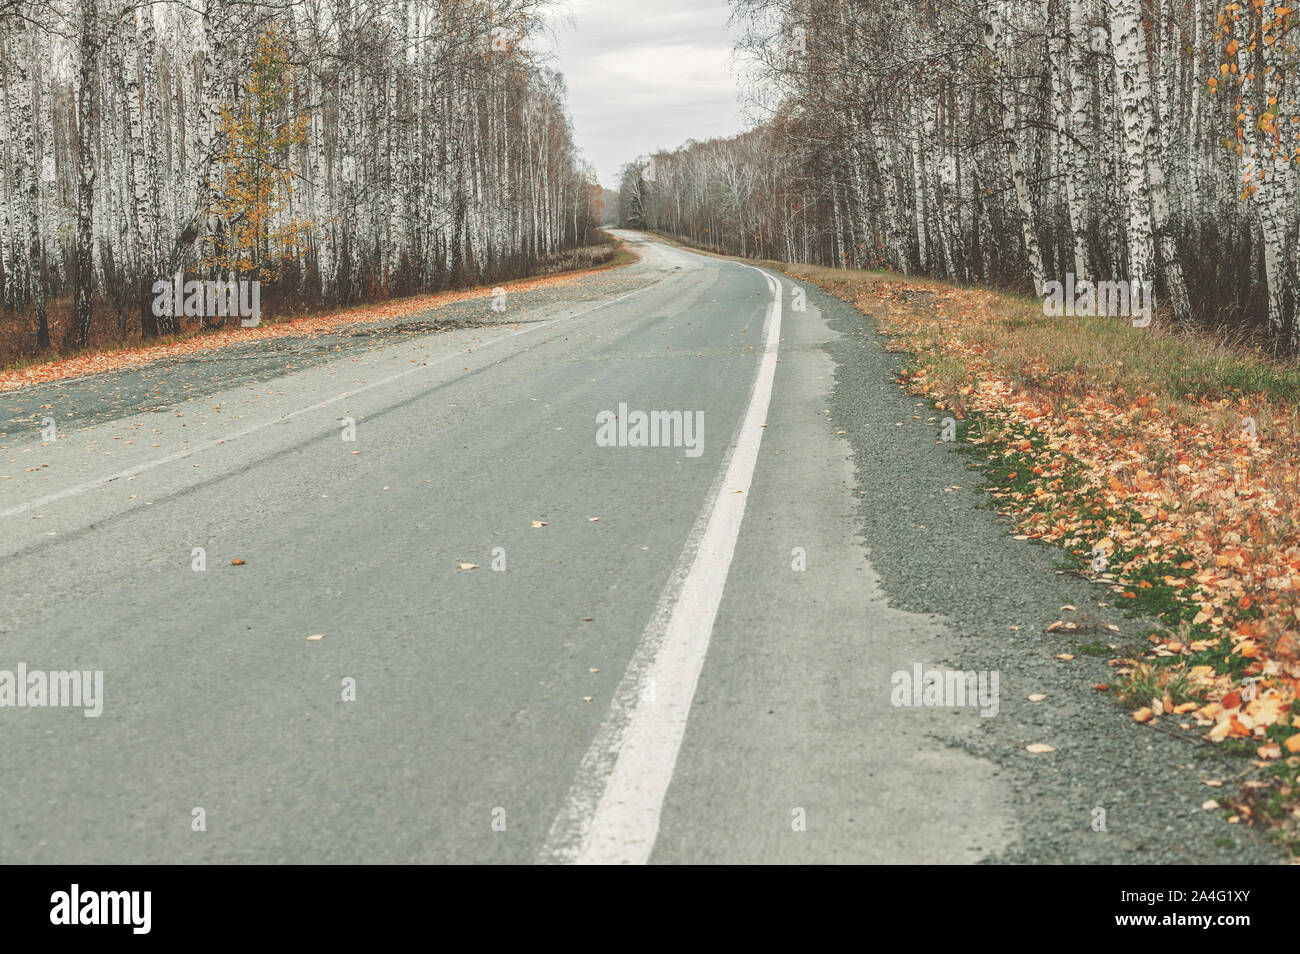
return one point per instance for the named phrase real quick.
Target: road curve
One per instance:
(446, 611)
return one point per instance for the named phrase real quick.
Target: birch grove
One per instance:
(1012, 142)
(335, 150)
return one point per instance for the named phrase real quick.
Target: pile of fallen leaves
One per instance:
(1186, 506)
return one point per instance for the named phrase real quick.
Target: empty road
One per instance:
(477, 619)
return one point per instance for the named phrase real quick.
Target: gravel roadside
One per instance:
(945, 551)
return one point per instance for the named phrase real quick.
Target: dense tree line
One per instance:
(335, 150)
(1012, 141)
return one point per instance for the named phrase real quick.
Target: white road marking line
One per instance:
(611, 815)
(208, 445)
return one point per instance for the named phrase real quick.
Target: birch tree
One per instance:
(1013, 142)
(397, 146)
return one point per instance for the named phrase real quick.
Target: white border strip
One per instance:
(611, 815)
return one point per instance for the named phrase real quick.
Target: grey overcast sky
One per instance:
(645, 75)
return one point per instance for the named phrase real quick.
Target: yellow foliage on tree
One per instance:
(258, 185)
(1242, 27)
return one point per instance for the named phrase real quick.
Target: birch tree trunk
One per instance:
(995, 40)
(1077, 135)
(29, 181)
(1264, 170)
(87, 49)
(8, 232)
(1135, 100)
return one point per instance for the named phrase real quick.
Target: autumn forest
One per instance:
(336, 151)
(1014, 142)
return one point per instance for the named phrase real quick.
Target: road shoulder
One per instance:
(940, 548)
(793, 752)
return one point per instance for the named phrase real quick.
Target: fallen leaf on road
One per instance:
(1037, 696)
(539, 523)
(317, 636)
(236, 562)
(1142, 715)
(1038, 748)
(469, 566)
(592, 519)
(1210, 805)
(1066, 656)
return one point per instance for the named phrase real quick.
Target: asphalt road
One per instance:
(474, 633)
